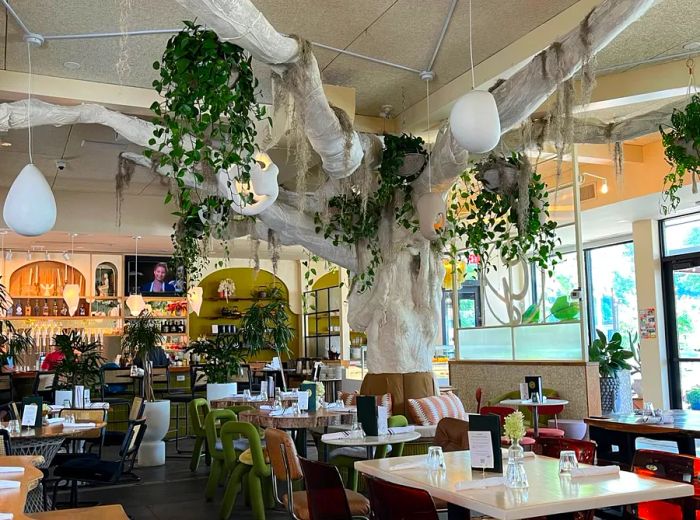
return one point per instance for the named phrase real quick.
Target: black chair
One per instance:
(44, 384)
(115, 438)
(5, 446)
(111, 378)
(98, 471)
(179, 396)
(7, 390)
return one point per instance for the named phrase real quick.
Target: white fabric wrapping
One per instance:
(594, 471)
(480, 483)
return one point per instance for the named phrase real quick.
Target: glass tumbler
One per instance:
(263, 394)
(436, 459)
(648, 409)
(356, 431)
(14, 426)
(567, 461)
(246, 394)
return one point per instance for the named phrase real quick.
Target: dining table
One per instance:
(548, 493)
(296, 424)
(237, 400)
(535, 406)
(621, 431)
(370, 442)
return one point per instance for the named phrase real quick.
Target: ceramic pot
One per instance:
(608, 390)
(152, 450)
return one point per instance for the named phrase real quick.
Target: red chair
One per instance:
(553, 409)
(394, 502)
(552, 447)
(503, 412)
(325, 492)
(670, 466)
(478, 400)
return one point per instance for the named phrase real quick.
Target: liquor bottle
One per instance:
(54, 309)
(45, 308)
(181, 328)
(64, 309)
(36, 310)
(18, 308)
(28, 308)
(165, 327)
(81, 310)
(10, 310)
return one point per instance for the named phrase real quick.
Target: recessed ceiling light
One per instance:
(71, 65)
(692, 46)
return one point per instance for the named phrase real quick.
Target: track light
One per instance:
(8, 255)
(46, 255)
(29, 254)
(66, 256)
(604, 187)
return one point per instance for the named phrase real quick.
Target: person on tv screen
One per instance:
(158, 284)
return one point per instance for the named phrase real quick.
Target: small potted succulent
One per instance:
(226, 288)
(693, 397)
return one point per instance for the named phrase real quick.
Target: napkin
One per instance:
(10, 484)
(332, 436)
(80, 425)
(414, 464)
(55, 420)
(11, 469)
(279, 413)
(288, 395)
(6, 516)
(649, 420)
(401, 429)
(480, 484)
(594, 471)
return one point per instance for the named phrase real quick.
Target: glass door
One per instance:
(682, 295)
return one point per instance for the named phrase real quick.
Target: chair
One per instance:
(97, 415)
(178, 396)
(5, 446)
(325, 494)
(255, 470)
(115, 438)
(7, 390)
(452, 434)
(478, 396)
(199, 409)
(213, 422)
(160, 377)
(284, 464)
(553, 446)
(502, 412)
(43, 386)
(395, 502)
(549, 410)
(113, 377)
(98, 471)
(669, 466)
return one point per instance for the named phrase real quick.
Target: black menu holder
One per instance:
(39, 402)
(367, 414)
(311, 388)
(534, 384)
(491, 424)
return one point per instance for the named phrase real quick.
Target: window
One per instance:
(681, 235)
(557, 290)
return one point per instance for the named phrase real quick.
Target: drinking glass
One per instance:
(70, 419)
(339, 403)
(86, 401)
(66, 403)
(535, 397)
(277, 404)
(567, 461)
(436, 459)
(295, 409)
(356, 431)
(246, 394)
(263, 394)
(14, 426)
(649, 409)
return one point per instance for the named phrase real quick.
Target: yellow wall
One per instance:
(246, 282)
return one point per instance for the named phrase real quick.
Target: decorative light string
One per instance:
(427, 103)
(471, 46)
(29, 101)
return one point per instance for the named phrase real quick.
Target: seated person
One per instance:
(157, 356)
(52, 359)
(113, 388)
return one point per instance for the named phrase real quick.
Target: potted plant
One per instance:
(141, 339)
(13, 344)
(693, 397)
(80, 365)
(224, 356)
(611, 357)
(226, 288)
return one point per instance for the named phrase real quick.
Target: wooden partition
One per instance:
(576, 381)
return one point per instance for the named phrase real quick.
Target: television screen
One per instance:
(155, 276)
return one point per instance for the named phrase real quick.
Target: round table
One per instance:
(371, 442)
(298, 424)
(236, 400)
(535, 409)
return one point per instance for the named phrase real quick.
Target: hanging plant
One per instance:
(353, 219)
(682, 150)
(204, 126)
(486, 211)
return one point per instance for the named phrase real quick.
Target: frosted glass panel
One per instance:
(485, 343)
(555, 341)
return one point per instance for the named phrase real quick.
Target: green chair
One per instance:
(215, 420)
(199, 409)
(347, 462)
(254, 474)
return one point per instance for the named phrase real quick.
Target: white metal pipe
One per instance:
(445, 25)
(16, 17)
(91, 36)
(363, 57)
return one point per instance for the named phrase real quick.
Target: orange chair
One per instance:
(670, 466)
(502, 412)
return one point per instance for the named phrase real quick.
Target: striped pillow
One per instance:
(350, 399)
(429, 410)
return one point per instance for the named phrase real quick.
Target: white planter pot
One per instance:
(220, 390)
(152, 450)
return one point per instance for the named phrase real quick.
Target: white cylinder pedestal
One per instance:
(152, 449)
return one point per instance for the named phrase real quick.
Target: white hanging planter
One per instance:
(432, 211)
(474, 122)
(30, 207)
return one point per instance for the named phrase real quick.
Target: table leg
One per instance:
(300, 441)
(686, 445)
(536, 422)
(370, 455)
(455, 512)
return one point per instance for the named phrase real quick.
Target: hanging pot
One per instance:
(432, 211)
(413, 164)
(608, 390)
(689, 147)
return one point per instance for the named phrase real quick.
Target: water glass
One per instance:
(436, 459)
(356, 431)
(648, 409)
(339, 403)
(263, 394)
(66, 403)
(567, 461)
(70, 419)
(14, 426)
(277, 405)
(246, 394)
(295, 409)
(536, 397)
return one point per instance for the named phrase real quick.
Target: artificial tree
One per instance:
(399, 311)
(141, 337)
(80, 364)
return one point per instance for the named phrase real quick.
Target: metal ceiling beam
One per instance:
(445, 25)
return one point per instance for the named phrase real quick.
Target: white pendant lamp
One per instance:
(30, 207)
(431, 214)
(135, 301)
(194, 298)
(474, 120)
(71, 291)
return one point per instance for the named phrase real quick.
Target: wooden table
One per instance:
(622, 430)
(237, 400)
(548, 493)
(535, 409)
(372, 441)
(297, 424)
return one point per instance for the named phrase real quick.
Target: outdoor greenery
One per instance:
(693, 397)
(563, 309)
(266, 326)
(204, 126)
(682, 149)
(610, 355)
(81, 361)
(224, 356)
(142, 337)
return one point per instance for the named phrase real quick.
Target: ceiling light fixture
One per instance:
(71, 65)
(5, 144)
(474, 120)
(66, 256)
(30, 207)
(135, 301)
(9, 254)
(692, 46)
(604, 188)
(71, 291)
(29, 255)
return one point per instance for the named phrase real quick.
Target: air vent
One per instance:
(587, 192)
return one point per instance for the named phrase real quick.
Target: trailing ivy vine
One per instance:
(204, 126)
(348, 223)
(682, 150)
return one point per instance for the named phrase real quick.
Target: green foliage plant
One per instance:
(682, 149)
(693, 397)
(266, 326)
(204, 125)
(224, 355)
(81, 361)
(141, 337)
(611, 356)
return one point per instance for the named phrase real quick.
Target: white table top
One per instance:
(381, 440)
(527, 402)
(548, 493)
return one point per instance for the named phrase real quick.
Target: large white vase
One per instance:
(220, 390)
(152, 450)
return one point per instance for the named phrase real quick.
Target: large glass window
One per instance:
(557, 290)
(681, 235)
